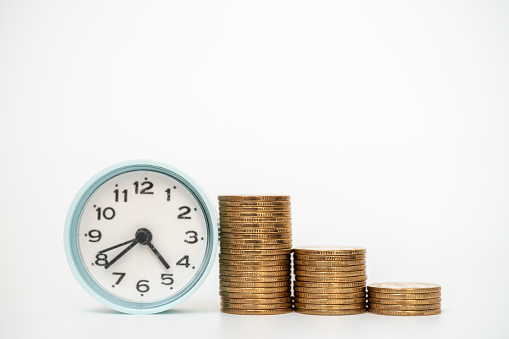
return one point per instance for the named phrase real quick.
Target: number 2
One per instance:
(186, 212)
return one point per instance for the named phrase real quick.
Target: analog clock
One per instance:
(141, 237)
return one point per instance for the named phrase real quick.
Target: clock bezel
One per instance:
(71, 237)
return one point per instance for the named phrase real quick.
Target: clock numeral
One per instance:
(184, 261)
(193, 236)
(101, 259)
(182, 215)
(168, 194)
(142, 286)
(94, 235)
(145, 190)
(167, 279)
(121, 276)
(117, 193)
(108, 213)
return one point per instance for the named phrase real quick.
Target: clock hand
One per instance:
(158, 255)
(121, 254)
(113, 247)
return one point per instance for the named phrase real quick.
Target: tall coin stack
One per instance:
(254, 259)
(407, 299)
(330, 280)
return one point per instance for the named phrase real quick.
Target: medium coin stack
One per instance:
(254, 259)
(407, 299)
(330, 280)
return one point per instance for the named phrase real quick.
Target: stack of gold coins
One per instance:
(404, 298)
(330, 280)
(254, 259)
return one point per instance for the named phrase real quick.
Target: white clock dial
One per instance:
(142, 236)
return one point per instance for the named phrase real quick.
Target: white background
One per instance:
(386, 121)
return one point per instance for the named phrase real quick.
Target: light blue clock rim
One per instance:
(71, 239)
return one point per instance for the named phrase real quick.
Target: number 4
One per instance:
(184, 261)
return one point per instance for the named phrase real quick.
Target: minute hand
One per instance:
(158, 255)
(120, 254)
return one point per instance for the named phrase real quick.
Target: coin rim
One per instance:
(253, 197)
(385, 289)
(237, 311)
(405, 313)
(344, 250)
(404, 301)
(330, 312)
(404, 295)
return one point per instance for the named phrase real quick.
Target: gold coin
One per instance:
(330, 268)
(254, 279)
(255, 290)
(253, 295)
(256, 230)
(243, 236)
(253, 203)
(317, 290)
(256, 301)
(241, 268)
(265, 274)
(337, 307)
(328, 301)
(404, 301)
(255, 284)
(254, 208)
(254, 257)
(330, 274)
(404, 295)
(330, 263)
(255, 224)
(344, 290)
(233, 251)
(330, 250)
(313, 290)
(254, 197)
(256, 241)
(405, 313)
(256, 219)
(237, 214)
(228, 262)
(256, 306)
(361, 278)
(263, 209)
(256, 312)
(334, 285)
(329, 296)
(331, 312)
(404, 287)
(226, 245)
(329, 257)
(404, 307)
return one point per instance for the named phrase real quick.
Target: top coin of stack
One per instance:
(254, 259)
(407, 299)
(330, 280)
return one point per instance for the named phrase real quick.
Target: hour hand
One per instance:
(127, 249)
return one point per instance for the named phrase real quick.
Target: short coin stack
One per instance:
(254, 262)
(330, 280)
(407, 299)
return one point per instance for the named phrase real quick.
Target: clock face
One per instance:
(143, 237)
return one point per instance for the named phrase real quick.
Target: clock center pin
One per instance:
(143, 236)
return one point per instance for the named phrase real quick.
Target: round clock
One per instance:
(141, 237)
